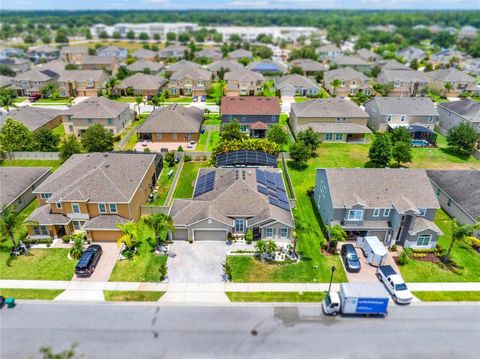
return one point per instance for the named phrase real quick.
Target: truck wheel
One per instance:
(394, 297)
(379, 276)
(335, 314)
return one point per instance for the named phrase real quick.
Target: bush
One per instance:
(227, 268)
(66, 239)
(180, 149)
(163, 270)
(77, 248)
(170, 158)
(310, 191)
(249, 236)
(402, 258)
(29, 241)
(393, 247)
(187, 158)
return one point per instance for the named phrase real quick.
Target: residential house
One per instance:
(336, 119)
(227, 65)
(458, 192)
(194, 82)
(472, 66)
(393, 65)
(254, 114)
(112, 51)
(267, 67)
(94, 192)
(456, 112)
(141, 85)
(368, 56)
(173, 123)
(308, 66)
(57, 66)
(30, 82)
(446, 58)
(210, 53)
(17, 184)
(43, 53)
(145, 55)
(404, 82)
(114, 116)
(172, 52)
(73, 54)
(412, 53)
(296, 85)
(350, 81)
(183, 65)
(74, 83)
(16, 65)
(105, 63)
(240, 54)
(329, 51)
(353, 61)
(5, 81)
(397, 206)
(35, 118)
(243, 82)
(401, 111)
(232, 201)
(467, 32)
(7, 52)
(152, 68)
(459, 81)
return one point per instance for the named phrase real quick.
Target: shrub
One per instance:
(310, 191)
(66, 239)
(29, 241)
(187, 158)
(77, 248)
(394, 247)
(180, 149)
(163, 270)
(249, 236)
(147, 150)
(402, 258)
(227, 268)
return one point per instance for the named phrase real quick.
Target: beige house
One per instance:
(336, 119)
(93, 192)
(460, 82)
(73, 54)
(243, 83)
(106, 63)
(31, 81)
(351, 82)
(73, 83)
(142, 85)
(193, 82)
(404, 83)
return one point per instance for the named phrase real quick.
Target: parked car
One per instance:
(35, 97)
(88, 261)
(350, 258)
(203, 98)
(195, 99)
(395, 284)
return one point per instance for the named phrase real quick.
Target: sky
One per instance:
(235, 4)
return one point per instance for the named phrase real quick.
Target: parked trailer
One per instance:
(357, 299)
(373, 249)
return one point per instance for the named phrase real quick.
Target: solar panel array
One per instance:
(246, 158)
(271, 185)
(204, 184)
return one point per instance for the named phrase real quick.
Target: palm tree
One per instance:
(459, 232)
(130, 234)
(138, 101)
(48, 89)
(10, 221)
(111, 84)
(7, 102)
(162, 224)
(155, 101)
(448, 87)
(335, 84)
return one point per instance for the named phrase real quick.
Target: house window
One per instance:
(396, 84)
(422, 212)
(239, 225)
(341, 119)
(45, 195)
(76, 225)
(110, 121)
(174, 136)
(230, 117)
(113, 207)
(438, 192)
(355, 215)
(283, 232)
(386, 212)
(269, 232)
(70, 128)
(102, 208)
(89, 83)
(90, 121)
(58, 205)
(75, 208)
(367, 92)
(328, 136)
(402, 118)
(274, 118)
(449, 202)
(323, 189)
(339, 137)
(244, 128)
(430, 118)
(38, 230)
(389, 118)
(424, 239)
(376, 212)
(159, 136)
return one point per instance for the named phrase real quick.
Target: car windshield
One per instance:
(401, 286)
(353, 257)
(328, 300)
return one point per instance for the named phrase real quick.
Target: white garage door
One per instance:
(180, 234)
(210, 235)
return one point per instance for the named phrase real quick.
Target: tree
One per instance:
(97, 139)
(383, 89)
(61, 37)
(231, 131)
(10, 221)
(69, 146)
(46, 140)
(278, 135)
(336, 234)
(6, 101)
(262, 51)
(77, 248)
(400, 134)
(130, 35)
(266, 246)
(103, 35)
(462, 138)
(116, 35)
(319, 76)
(155, 101)
(299, 154)
(249, 236)
(380, 151)
(15, 136)
(460, 232)
(448, 87)
(311, 139)
(161, 224)
(47, 353)
(184, 37)
(138, 101)
(143, 36)
(6, 70)
(71, 67)
(170, 158)
(335, 84)
(48, 89)
(221, 73)
(110, 85)
(130, 235)
(402, 152)
(88, 34)
(171, 36)
(122, 73)
(296, 70)
(414, 64)
(305, 52)
(428, 67)
(46, 39)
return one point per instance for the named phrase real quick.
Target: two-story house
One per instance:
(368, 55)
(194, 82)
(152, 68)
(73, 54)
(112, 51)
(412, 53)
(114, 116)
(296, 85)
(353, 61)
(73, 83)
(267, 66)
(454, 113)
(404, 83)
(452, 82)
(94, 192)
(350, 82)
(240, 54)
(142, 85)
(329, 51)
(210, 53)
(308, 66)
(105, 63)
(226, 65)
(243, 82)
(18, 66)
(43, 53)
(395, 205)
(172, 52)
(31, 82)
(182, 65)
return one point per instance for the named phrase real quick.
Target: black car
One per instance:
(350, 258)
(88, 261)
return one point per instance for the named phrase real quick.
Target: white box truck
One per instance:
(357, 299)
(373, 249)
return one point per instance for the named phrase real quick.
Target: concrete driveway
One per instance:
(105, 266)
(198, 262)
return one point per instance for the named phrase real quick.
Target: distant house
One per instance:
(172, 51)
(106, 63)
(467, 32)
(296, 85)
(57, 66)
(7, 52)
(18, 66)
(43, 53)
(18, 183)
(73, 54)
(444, 58)
(472, 66)
(112, 51)
(73, 83)
(355, 62)
(194, 82)
(368, 55)
(243, 82)
(403, 82)
(154, 68)
(350, 82)
(329, 51)
(267, 66)
(231, 200)
(460, 82)
(35, 118)
(227, 65)
(308, 66)
(5, 81)
(211, 53)
(336, 119)
(142, 85)
(114, 116)
(401, 111)
(240, 54)
(144, 54)
(183, 65)
(173, 123)
(254, 114)
(412, 53)
(393, 65)
(397, 206)
(456, 112)
(31, 82)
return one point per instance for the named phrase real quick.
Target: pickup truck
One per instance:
(395, 284)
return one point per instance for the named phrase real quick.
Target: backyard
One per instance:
(187, 179)
(32, 163)
(164, 183)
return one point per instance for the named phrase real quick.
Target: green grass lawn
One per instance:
(448, 296)
(164, 183)
(275, 296)
(48, 101)
(179, 99)
(462, 254)
(143, 267)
(131, 296)
(212, 142)
(126, 99)
(19, 99)
(187, 179)
(31, 294)
(31, 163)
(216, 91)
(59, 130)
(212, 119)
(437, 98)
(283, 119)
(269, 89)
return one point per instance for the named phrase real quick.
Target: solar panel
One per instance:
(205, 183)
(246, 158)
(262, 189)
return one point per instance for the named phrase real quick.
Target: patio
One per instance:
(157, 146)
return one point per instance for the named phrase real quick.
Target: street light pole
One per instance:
(331, 278)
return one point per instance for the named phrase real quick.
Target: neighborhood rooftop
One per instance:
(331, 107)
(420, 106)
(32, 117)
(173, 119)
(466, 108)
(97, 107)
(250, 105)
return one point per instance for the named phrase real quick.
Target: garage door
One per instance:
(210, 235)
(180, 234)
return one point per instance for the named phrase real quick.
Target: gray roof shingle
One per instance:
(97, 107)
(331, 107)
(173, 119)
(467, 108)
(32, 117)
(419, 106)
(143, 82)
(16, 180)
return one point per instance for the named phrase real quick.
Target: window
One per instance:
(402, 118)
(438, 192)
(449, 202)
(239, 225)
(274, 118)
(386, 212)
(389, 118)
(45, 195)
(113, 207)
(355, 215)
(58, 205)
(159, 136)
(269, 232)
(430, 118)
(76, 225)
(110, 121)
(341, 119)
(424, 240)
(230, 117)
(376, 212)
(174, 136)
(283, 232)
(323, 189)
(339, 137)
(102, 208)
(422, 212)
(244, 128)
(89, 83)
(75, 208)
(90, 121)
(36, 230)
(396, 84)
(328, 136)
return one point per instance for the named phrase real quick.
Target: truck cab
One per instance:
(395, 284)
(331, 303)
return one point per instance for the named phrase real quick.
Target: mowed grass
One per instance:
(462, 254)
(32, 163)
(131, 296)
(164, 183)
(31, 294)
(187, 179)
(275, 296)
(448, 296)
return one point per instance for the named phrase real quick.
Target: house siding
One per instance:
(447, 122)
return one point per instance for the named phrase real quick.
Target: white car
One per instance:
(395, 284)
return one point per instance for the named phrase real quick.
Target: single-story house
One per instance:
(141, 84)
(368, 55)
(296, 85)
(35, 118)
(355, 62)
(106, 63)
(211, 53)
(154, 68)
(329, 51)
(412, 53)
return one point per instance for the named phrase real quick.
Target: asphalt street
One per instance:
(150, 331)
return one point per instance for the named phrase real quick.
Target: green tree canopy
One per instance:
(310, 138)
(402, 152)
(69, 146)
(97, 139)
(231, 131)
(15, 136)
(380, 151)
(400, 134)
(299, 154)
(46, 140)
(277, 135)
(462, 138)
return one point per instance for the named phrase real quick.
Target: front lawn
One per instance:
(131, 296)
(49, 101)
(212, 136)
(17, 100)
(32, 163)
(164, 183)
(462, 254)
(275, 296)
(31, 294)
(126, 99)
(448, 296)
(187, 179)
(185, 99)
